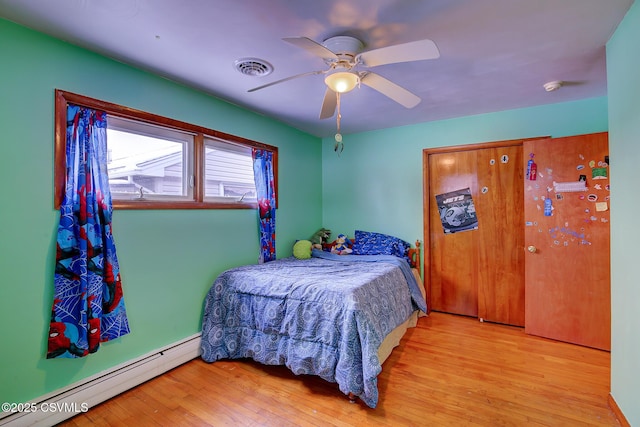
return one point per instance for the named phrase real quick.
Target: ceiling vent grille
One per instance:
(253, 67)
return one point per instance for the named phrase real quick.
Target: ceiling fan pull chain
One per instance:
(338, 116)
(339, 145)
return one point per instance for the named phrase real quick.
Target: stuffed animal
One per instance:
(321, 236)
(340, 247)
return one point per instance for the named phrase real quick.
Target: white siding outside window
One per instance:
(228, 170)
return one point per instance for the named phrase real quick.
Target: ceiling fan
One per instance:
(343, 56)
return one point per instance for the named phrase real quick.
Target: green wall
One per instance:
(376, 182)
(168, 258)
(623, 63)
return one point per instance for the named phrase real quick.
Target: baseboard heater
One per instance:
(69, 401)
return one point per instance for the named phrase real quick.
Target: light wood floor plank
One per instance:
(449, 371)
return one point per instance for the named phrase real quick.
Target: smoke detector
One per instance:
(253, 67)
(551, 86)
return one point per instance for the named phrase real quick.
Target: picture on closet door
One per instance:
(457, 211)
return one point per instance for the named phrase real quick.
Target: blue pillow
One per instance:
(369, 243)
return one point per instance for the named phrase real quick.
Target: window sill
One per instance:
(148, 205)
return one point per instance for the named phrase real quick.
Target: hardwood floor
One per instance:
(449, 371)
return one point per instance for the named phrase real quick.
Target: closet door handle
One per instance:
(532, 249)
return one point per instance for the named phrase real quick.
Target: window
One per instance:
(228, 171)
(159, 163)
(148, 162)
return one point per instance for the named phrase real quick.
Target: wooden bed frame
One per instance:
(414, 258)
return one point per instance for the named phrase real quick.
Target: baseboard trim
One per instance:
(64, 403)
(617, 412)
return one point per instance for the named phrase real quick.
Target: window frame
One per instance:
(63, 98)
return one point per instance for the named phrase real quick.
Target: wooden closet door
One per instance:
(479, 273)
(453, 276)
(501, 290)
(568, 266)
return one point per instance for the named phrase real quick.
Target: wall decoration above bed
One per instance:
(330, 315)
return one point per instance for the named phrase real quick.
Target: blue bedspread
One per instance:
(323, 316)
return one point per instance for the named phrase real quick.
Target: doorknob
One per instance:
(532, 249)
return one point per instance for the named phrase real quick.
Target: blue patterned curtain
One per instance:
(265, 187)
(88, 306)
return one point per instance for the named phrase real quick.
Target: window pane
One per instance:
(146, 160)
(228, 171)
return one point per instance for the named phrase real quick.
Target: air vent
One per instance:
(253, 67)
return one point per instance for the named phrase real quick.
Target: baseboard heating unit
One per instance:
(62, 404)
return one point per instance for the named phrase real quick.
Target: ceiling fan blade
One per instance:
(390, 89)
(412, 51)
(311, 46)
(328, 104)
(286, 79)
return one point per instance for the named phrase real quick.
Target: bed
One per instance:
(334, 316)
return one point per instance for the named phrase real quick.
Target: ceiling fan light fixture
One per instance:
(342, 82)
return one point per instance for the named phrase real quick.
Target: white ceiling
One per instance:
(494, 54)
